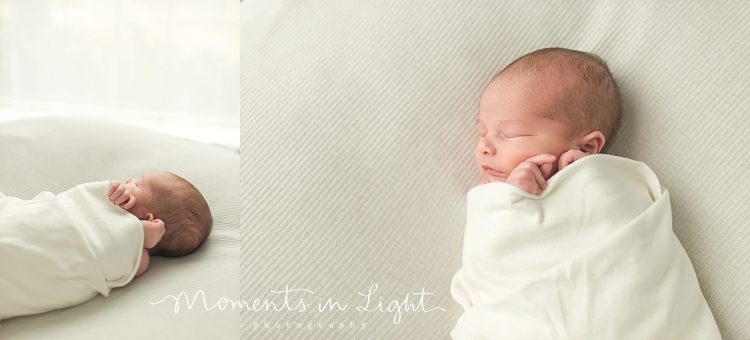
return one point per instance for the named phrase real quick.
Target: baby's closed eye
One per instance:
(513, 135)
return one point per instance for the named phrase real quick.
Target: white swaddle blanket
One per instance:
(60, 251)
(592, 257)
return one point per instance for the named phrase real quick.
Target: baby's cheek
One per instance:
(486, 178)
(517, 159)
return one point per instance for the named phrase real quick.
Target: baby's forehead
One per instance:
(171, 185)
(163, 180)
(497, 120)
(556, 74)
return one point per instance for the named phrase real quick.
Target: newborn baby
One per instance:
(59, 251)
(176, 202)
(562, 242)
(543, 112)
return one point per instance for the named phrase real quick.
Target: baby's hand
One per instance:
(570, 156)
(119, 194)
(532, 174)
(153, 230)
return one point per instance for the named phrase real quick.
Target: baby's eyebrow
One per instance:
(500, 122)
(506, 121)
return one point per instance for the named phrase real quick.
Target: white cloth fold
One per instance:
(60, 251)
(592, 257)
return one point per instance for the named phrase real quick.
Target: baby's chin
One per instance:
(489, 179)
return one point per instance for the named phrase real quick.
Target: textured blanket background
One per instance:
(358, 130)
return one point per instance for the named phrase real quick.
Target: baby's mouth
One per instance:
(492, 172)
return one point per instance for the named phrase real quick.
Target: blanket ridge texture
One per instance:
(60, 251)
(593, 257)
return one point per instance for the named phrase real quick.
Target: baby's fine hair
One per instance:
(592, 98)
(186, 216)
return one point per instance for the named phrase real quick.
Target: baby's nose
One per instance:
(129, 180)
(487, 147)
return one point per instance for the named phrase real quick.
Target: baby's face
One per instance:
(512, 126)
(142, 189)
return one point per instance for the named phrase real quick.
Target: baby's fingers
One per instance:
(569, 157)
(113, 185)
(544, 163)
(117, 193)
(530, 185)
(121, 198)
(565, 160)
(528, 177)
(129, 203)
(539, 183)
(541, 159)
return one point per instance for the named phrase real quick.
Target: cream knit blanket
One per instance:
(60, 251)
(592, 257)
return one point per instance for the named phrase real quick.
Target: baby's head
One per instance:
(548, 101)
(170, 198)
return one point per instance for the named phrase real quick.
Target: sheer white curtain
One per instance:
(170, 65)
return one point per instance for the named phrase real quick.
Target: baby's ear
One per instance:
(592, 142)
(153, 231)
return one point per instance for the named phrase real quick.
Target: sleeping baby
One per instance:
(59, 251)
(563, 242)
